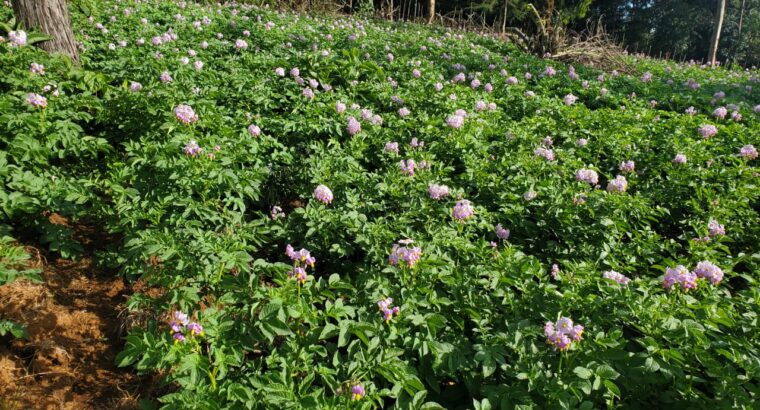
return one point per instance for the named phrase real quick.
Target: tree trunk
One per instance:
(716, 32)
(431, 11)
(741, 20)
(52, 18)
(504, 22)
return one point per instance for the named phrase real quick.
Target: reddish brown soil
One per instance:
(72, 319)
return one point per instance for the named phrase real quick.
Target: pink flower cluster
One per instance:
(405, 255)
(463, 210)
(38, 69)
(748, 152)
(301, 259)
(709, 271)
(455, 121)
(438, 191)
(276, 213)
(17, 38)
(563, 333)
(391, 147)
(544, 153)
(555, 272)
(387, 309)
(617, 185)
(192, 149)
(679, 159)
(182, 327)
(720, 112)
(254, 130)
(688, 280)
(627, 166)
(679, 275)
(36, 100)
(708, 131)
(715, 229)
(501, 232)
(587, 175)
(353, 127)
(323, 194)
(407, 167)
(617, 277)
(185, 114)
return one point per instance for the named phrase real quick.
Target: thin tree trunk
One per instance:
(431, 11)
(52, 18)
(504, 22)
(741, 20)
(716, 32)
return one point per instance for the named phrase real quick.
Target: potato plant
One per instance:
(347, 213)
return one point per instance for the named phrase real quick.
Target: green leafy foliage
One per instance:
(203, 209)
(14, 260)
(11, 328)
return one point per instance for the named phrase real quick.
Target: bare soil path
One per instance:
(72, 319)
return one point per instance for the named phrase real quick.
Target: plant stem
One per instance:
(42, 120)
(219, 274)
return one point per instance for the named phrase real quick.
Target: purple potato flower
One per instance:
(715, 229)
(617, 185)
(353, 127)
(501, 232)
(391, 147)
(463, 210)
(627, 166)
(405, 255)
(185, 114)
(38, 69)
(679, 275)
(323, 194)
(720, 112)
(544, 153)
(300, 256)
(455, 121)
(708, 270)
(192, 149)
(748, 152)
(563, 333)
(387, 309)
(36, 100)
(617, 277)
(407, 167)
(708, 131)
(587, 175)
(438, 191)
(357, 392)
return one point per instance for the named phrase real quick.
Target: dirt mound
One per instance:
(67, 359)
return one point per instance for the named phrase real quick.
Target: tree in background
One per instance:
(716, 31)
(683, 29)
(52, 18)
(740, 40)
